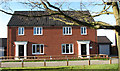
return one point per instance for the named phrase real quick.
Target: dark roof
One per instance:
(3, 42)
(103, 39)
(44, 21)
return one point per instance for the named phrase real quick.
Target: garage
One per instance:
(104, 49)
(3, 47)
(104, 45)
(1, 51)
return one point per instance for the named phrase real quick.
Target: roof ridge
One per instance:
(56, 11)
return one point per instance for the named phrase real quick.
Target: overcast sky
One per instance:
(4, 18)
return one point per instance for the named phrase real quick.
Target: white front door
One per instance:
(83, 48)
(20, 49)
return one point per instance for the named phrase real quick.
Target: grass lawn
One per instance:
(110, 67)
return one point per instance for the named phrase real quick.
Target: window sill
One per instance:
(37, 53)
(84, 34)
(67, 53)
(37, 34)
(67, 34)
(20, 34)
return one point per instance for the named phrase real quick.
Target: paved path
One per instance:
(56, 63)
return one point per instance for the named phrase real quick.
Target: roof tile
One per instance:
(103, 39)
(43, 21)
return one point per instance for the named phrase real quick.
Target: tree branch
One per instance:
(30, 15)
(96, 25)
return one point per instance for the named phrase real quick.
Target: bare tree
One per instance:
(54, 10)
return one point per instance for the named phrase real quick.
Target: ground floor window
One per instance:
(67, 48)
(37, 48)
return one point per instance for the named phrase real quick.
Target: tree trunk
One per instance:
(118, 46)
(117, 17)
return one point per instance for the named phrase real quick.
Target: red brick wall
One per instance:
(52, 39)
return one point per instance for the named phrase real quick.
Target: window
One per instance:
(83, 31)
(67, 30)
(38, 31)
(21, 31)
(67, 48)
(37, 49)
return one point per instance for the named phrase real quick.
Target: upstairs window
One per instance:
(38, 30)
(37, 48)
(20, 30)
(67, 48)
(67, 30)
(83, 31)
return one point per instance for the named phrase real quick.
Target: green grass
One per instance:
(105, 66)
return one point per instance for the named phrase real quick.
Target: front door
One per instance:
(83, 49)
(21, 50)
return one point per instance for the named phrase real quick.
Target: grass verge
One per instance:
(105, 66)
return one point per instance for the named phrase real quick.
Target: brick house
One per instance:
(45, 36)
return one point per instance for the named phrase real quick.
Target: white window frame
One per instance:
(21, 31)
(69, 49)
(39, 31)
(36, 48)
(83, 30)
(66, 31)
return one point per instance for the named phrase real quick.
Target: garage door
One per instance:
(1, 51)
(104, 49)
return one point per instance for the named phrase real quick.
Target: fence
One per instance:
(55, 60)
(53, 57)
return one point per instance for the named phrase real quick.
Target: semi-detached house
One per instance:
(33, 36)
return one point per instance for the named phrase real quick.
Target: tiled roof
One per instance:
(44, 21)
(103, 39)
